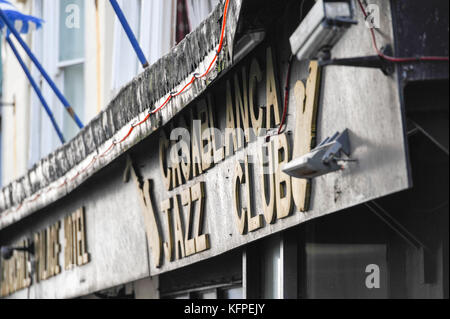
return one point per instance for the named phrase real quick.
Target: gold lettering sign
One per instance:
(53, 250)
(283, 181)
(75, 249)
(279, 192)
(245, 218)
(15, 273)
(182, 239)
(47, 250)
(246, 117)
(306, 103)
(151, 226)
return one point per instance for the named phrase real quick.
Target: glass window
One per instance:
(74, 92)
(71, 30)
(208, 294)
(271, 268)
(345, 256)
(157, 16)
(185, 296)
(0, 146)
(1, 85)
(71, 60)
(232, 293)
(346, 271)
(1, 72)
(126, 63)
(198, 11)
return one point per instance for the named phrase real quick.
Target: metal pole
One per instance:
(41, 69)
(129, 32)
(36, 89)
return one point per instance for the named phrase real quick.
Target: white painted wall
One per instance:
(15, 121)
(28, 134)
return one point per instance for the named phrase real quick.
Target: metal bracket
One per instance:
(7, 252)
(372, 61)
(321, 160)
(5, 104)
(339, 142)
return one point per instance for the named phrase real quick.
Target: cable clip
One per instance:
(134, 123)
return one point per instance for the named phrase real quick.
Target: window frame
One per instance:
(61, 66)
(43, 139)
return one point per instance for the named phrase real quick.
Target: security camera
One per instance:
(247, 43)
(321, 160)
(322, 27)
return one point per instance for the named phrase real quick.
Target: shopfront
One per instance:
(197, 204)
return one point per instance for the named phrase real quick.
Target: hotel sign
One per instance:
(22, 269)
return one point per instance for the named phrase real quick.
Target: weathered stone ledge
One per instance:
(147, 91)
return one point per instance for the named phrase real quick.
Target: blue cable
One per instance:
(129, 32)
(41, 69)
(36, 89)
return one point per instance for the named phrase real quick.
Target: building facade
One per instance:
(180, 184)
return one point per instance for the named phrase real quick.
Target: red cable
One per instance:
(114, 144)
(396, 59)
(286, 94)
(381, 54)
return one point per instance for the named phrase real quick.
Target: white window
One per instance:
(71, 60)
(37, 117)
(158, 25)
(59, 46)
(198, 10)
(125, 61)
(0, 145)
(153, 23)
(1, 105)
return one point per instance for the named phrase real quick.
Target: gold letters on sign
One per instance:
(278, 192)
(184, 240)
(306, 103)
(47, 249)
(183, 214)
(75, 249)
(151, 226)
(15, 274)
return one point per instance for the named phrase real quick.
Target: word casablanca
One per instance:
(196, 146)
(17, 273)
(279, 192)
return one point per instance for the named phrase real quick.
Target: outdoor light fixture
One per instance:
(322, 27)
(247, 43)
(321, 160)
(7, 252)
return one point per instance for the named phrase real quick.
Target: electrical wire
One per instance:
(381, 54)
(286, 94)
(397, 59)
(114, 143)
